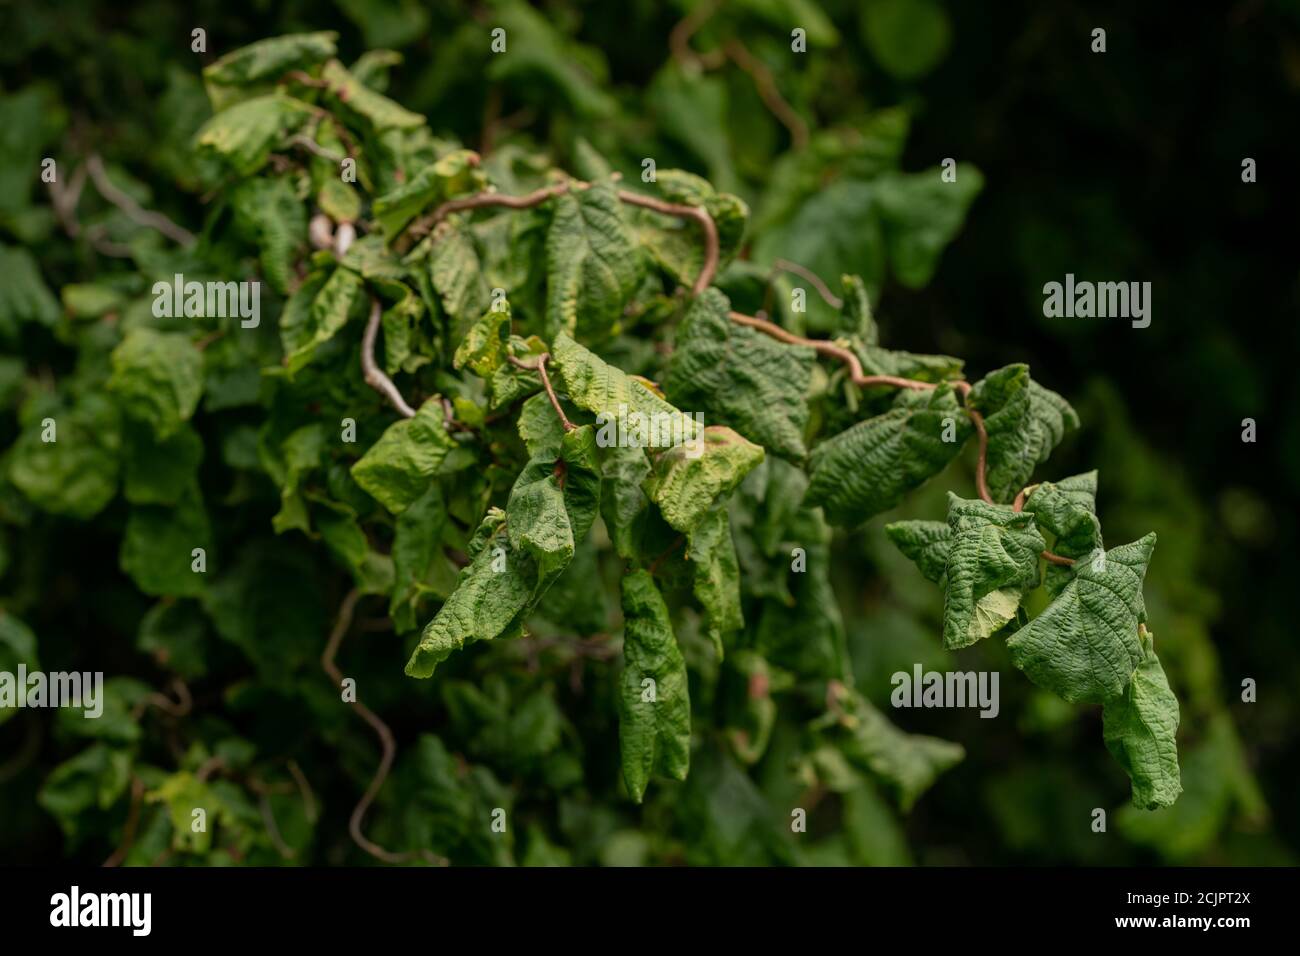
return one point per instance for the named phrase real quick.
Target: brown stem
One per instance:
(709, 267)
(831, 350)
(679, 40)
(677, 543)
(133, 210)
(481, 200)
(132, 820)
(374, 376)
(829, 297)
(981, 463)
(1057, 559)
(341, 626)
(540, 368)
(315, 148)
(769, 93)
(304, 787)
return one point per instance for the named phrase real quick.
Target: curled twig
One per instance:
(768, 92)
(132, 821)
(386, 741)
(374, 376)
(539, 366)
(710, 265)
(829, 297)
(134, 211)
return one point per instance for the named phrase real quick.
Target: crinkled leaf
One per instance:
(381, 112)
(927, 543)
(712, 554)
(454, 174)
(245, 134)
(399, 466)
(869, 467)
(992, 562)
(908, 763)
(160, 472)
(264, 62)
(690, 478)
(592, 263)
(269, 214)
(456, 273)
(1025, 422)
(1140, 729)
(158, 378)
(315, 313)
(737, 374)
(487, 603)
(922, 213)
(24, 296)
(1084, 646)
(554, 502)
(1067, 508)
(654, 727)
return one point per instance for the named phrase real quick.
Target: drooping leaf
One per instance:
(654, 728)
(158, 547)
(76, 474)
(315, 313)
(716, 585)
(592, 263)
(1084, 646)
(740, 376)
(398, 468)
(360, 100)
(454, 174)
(1140, 728)
(992, 562)
(490, 599)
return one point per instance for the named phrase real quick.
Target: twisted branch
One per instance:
(539, 366)
(134, 211)
(341, 626)
(375, 376)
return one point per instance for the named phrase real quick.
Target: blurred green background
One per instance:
(1123, 165)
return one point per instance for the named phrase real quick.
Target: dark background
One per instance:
(1122, 166)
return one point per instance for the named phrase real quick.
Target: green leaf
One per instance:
(158, 543)
(486, 345)
(173, 632)
(269, 215)
(371, 571)
(747, 379)
(452, 175)
(160, 472)
(75, 475)
(1084, 646)
(535, 50)
(908, 763)
(712, 555)
(17, 646)
(400, 465)
(592, 262)
(359, 99)
(418, 559)
(628, 406)
(624, 505)
(489, 602)
(264, 62)
(315, 313)
(654, 727)
(869, 467)
(158, 378)
(554, 502)
(245, 134)
(1140, 728)
(909, 38)
(1024, 421)
(690, 478)
(457, 274)
(922, 214)
(992, 562)
(927, 543)
(94, 779)
(1067, 509)
(678, 244)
